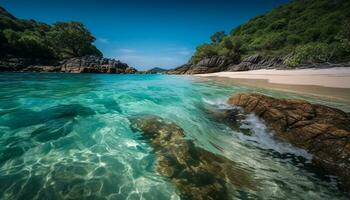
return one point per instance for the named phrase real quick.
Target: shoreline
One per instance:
(330, 83)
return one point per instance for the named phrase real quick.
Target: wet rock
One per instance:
(196, 172)
(321, 130)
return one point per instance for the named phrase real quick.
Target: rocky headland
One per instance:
(253, 62)
(322, 131)
(85, 64)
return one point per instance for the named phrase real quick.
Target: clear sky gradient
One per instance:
(146, 34)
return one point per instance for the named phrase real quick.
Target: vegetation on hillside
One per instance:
(305, 30)
(41, 42)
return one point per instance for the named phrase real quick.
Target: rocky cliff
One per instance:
(86, 64)
(222, 63)
(321, 130)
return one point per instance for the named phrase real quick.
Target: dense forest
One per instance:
(40, 42)
(299, 31)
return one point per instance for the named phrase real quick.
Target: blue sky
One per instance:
(146, 34)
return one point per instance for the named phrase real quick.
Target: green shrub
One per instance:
(312, 52)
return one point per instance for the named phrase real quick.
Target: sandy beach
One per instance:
(333, 82)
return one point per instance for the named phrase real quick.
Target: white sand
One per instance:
(333, 77)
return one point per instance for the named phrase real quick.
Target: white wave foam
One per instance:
(220, 103)
(263, 137)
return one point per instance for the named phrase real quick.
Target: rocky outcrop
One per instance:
(258, 62)
(196, 172)
(206, 65)
(94, 64)
(180, 70)
(254, 62)
(12, 64)
(41, 68)
(321, 130)
(222, 63)
(86, 64)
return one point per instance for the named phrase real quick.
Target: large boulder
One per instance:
(321, 130)
(196, 172)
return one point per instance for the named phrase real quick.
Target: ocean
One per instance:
(69, 136)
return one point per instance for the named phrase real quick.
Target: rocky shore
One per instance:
(254, 62)
(322, 131)
(86, 64)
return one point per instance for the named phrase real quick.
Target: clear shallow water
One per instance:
(68, 136)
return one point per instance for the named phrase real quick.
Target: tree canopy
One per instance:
(42, 42)
(72, 39)
(218, 37)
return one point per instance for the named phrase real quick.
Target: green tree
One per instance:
(344, 36)
(218, 37)
(72, 39)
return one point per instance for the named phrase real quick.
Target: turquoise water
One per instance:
(68, 136)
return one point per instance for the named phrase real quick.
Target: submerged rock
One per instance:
(50, 124)
(196, 172)
(321, 130)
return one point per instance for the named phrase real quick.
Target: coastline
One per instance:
(330, 83)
